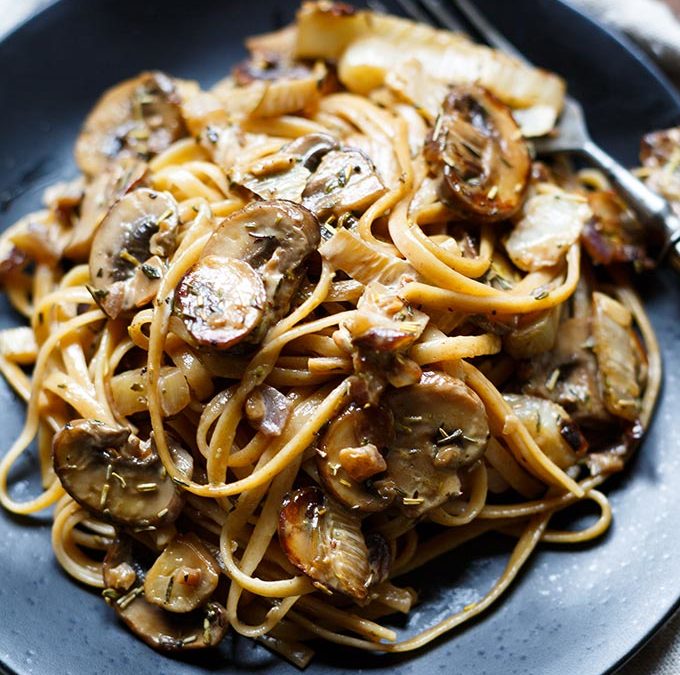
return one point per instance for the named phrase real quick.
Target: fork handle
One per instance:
(652, 210)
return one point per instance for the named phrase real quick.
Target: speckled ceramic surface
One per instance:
(572, 611)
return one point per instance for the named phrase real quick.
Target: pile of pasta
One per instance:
(297, 335)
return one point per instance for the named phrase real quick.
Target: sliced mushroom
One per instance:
(183, 577)
(312, 148)
(221, 300)
(550, 222)
(267, 410)
(350, 454)
(125, 265)
(613, 234)
(274, 239)
(619, 357)
(99, 196)
(324, 540)
(167, 631)
(113, 474)
(138, 118)
(441, 427)
(284, 175)
(485, 160)
(345, 180)
(552, 428)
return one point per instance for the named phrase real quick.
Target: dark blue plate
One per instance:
(579, 610)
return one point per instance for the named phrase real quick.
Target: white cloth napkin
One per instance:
(651, 23)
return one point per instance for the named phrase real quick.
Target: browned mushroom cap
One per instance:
(486, 162)
(273, 239)
(100, 195)
(137, 118)
(345, 180)
(441, 426)
(324, 540)
(220, 300)
(111, 473)
(124, 268)
(183, 577)
(349, 455)
(200, 628)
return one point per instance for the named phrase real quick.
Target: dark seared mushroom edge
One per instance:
(479, 150)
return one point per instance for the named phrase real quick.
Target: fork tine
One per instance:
(377, 6)
(444, 15)
(411, 8)
(486, 29)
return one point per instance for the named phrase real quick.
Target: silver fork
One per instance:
(653, 211)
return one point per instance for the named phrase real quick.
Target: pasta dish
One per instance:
(297, 335)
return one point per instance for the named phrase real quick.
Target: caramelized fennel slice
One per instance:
(619, 357)
(324, 540)
(369, 46)
(551, 427)
(551, 221)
